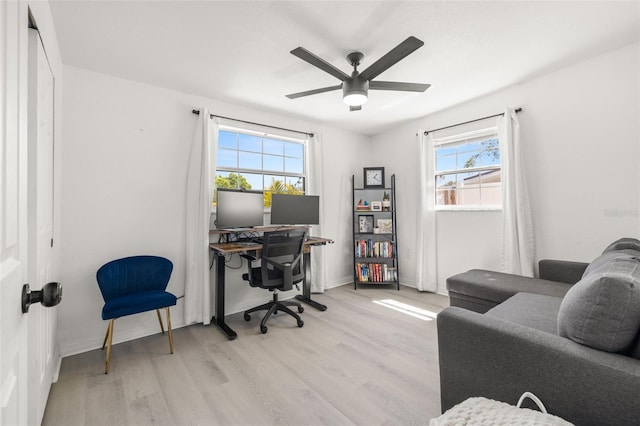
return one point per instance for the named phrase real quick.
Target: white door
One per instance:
(13, 218)
(27, 341)
(42, 321)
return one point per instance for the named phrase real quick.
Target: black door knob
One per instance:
(50, 295)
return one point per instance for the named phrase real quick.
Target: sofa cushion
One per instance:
(602, 310)
(497, 287)
(530, 310)
(624, 244)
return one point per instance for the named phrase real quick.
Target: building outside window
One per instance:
(260, 162)
(467, 171)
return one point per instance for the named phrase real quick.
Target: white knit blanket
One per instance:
(487, 412)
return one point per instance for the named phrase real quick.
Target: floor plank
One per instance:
(357, 363)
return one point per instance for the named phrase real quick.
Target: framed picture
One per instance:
(385, 226)
(365, 223)
(376, 206)
(373, 177)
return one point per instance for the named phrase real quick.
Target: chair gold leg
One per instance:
(106, 336)
(160, 320)
(109, 340)
(169, 330)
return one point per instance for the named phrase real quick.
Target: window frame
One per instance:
(462, 139)
(264, 135)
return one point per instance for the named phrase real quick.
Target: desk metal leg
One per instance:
(306, 286)
(218, 318)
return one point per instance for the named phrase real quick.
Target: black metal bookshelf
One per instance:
(375, 243)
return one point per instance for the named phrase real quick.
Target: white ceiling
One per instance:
(238, 51)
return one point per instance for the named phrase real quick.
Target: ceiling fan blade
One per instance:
(394, 85)
(318, 62)
(355, 108)
(314, 91)
(394, 55)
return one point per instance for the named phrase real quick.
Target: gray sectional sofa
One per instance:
(571, 336)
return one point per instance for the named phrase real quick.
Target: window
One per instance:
(251, 160)
(467, 171)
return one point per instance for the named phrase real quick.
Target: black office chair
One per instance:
(280, 269)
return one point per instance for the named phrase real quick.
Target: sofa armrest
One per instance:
(563, 271)
(485, 356)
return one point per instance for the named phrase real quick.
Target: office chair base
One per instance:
(272, 308)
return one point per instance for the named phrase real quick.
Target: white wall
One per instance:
(125, 166)
(580, 130)
(124, 171)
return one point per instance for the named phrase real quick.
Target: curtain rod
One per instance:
(197, 112)
(517, 110)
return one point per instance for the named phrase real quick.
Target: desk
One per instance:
(222, 249)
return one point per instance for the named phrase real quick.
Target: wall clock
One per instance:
(374, 177)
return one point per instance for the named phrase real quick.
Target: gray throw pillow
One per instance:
(602, 310)
(603, 262)
(624, 244)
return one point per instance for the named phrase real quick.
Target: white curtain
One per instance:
(426, 265)
(199, 195)
(518, 243)
(318, 265)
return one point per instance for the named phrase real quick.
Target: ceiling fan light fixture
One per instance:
(355, 91)
(355, 99)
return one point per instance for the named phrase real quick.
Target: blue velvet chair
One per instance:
(132, 285)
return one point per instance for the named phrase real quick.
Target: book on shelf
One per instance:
(376, 272)
(372, 248)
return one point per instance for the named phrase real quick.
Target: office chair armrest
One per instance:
(287, 275)
(282, 266)
(286, 268)
(249, 275)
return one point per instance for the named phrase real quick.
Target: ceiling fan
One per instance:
(355, 87)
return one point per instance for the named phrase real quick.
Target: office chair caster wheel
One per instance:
(263, 329)
(247, 317)
(300, 309)
(300, 323)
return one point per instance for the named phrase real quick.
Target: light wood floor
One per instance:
(357, 363)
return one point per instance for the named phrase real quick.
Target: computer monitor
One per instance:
(238, 208)
(287, 209)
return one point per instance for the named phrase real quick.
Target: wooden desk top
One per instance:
(257, 229)
(240, 247)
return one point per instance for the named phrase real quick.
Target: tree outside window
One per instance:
(260, 162)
